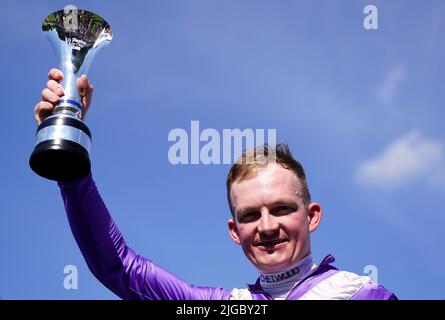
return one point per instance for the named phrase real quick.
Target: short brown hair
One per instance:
(251, 160)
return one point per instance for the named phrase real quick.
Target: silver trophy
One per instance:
(63, 141)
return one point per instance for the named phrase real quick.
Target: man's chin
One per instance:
(273, 264)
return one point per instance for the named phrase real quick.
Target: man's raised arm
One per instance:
(118, 267)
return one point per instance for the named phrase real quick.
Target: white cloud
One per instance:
(409, 158)
(390, 85)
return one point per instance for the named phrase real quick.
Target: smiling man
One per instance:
(273, 223)
(272, 218)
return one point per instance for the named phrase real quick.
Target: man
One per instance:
(272, 218)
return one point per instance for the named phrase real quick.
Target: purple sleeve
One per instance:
(112, 262)
(373, 291)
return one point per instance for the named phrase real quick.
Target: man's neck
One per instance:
(279, 284)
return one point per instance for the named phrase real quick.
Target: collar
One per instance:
(290, 276)
(323, 266)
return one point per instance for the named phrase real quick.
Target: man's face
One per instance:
(272, 223)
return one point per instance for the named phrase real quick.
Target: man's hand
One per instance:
(54, 91)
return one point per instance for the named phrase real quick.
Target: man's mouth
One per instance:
(270, 244)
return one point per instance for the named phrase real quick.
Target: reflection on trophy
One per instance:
(63, 142)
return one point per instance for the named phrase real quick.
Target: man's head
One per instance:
(272, 213)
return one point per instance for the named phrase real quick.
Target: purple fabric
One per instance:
(323, 271)
(132, 276)
(305, 286)
(373, 291)
(113, 263)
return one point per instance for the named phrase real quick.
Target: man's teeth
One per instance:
(270, 243)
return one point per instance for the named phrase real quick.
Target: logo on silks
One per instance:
(280, 276)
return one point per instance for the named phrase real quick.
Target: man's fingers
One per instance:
(55, 74)
(84, 86)
(55, 87)
(49, 96)
(43, 106)
(85, 92)
(86, 99)
(43, 110)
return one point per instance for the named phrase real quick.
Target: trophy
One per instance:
(63, 143)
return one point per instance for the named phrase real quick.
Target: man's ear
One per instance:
(314, 216)
(233, 231)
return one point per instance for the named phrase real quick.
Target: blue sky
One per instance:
(361, 109)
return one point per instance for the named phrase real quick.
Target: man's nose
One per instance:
(268, 223)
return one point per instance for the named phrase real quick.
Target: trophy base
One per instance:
(60, 160)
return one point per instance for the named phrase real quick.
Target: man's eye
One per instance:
(283, 210)
(249, 217)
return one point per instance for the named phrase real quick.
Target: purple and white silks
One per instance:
(132, 276)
